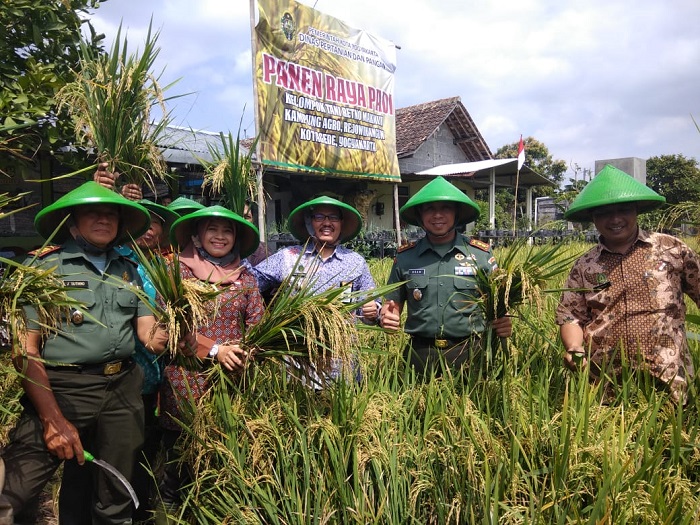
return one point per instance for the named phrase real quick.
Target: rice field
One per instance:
(514, 438)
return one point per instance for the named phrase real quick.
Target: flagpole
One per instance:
(256, 112)
(521, 161)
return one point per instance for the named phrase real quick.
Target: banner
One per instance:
(325, 94)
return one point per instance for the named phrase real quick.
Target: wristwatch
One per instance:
(213, 351)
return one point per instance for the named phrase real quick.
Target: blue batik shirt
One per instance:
(149, 362)
(344, 268)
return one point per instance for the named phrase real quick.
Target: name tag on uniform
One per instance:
(75, 284)
(416, 271)
(465, 270)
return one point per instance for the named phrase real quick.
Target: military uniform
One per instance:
(93, 378)
(443, 320)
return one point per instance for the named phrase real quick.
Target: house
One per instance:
(433, 138)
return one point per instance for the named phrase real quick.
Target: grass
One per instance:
(533, 444)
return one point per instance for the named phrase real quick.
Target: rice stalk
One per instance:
(35, 287)
(522, 275)
(231, 174)
(6, 200)
(303, 323)
(183, 304)
(111, 100)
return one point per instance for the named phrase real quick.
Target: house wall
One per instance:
(436, 150)
(633, 166)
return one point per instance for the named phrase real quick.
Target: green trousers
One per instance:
(108, 413)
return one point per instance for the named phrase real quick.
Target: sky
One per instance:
(592, 80)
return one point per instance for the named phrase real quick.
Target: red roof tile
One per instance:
(415, 124)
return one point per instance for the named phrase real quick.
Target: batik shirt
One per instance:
(634, 302)
(240, 306)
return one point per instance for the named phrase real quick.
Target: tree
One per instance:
(39, 48)
(676, 177)
(538, 158)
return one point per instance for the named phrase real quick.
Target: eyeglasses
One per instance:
(320, 217)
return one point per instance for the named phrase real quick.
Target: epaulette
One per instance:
(44, 251)
(480, 244)
(406, 246)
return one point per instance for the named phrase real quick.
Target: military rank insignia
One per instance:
(405, 247)
(44, 251)
(465, 270)
(480, 244)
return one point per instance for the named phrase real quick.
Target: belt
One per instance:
(103, 369)
(441, 342)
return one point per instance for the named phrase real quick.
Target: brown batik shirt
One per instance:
(634, 302)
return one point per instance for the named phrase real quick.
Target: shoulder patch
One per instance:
(480, 244)
(44, 251)
(405, 247)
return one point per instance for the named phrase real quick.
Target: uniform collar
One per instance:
(459, 243)
(73, 251)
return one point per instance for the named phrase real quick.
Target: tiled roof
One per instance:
(415, 124)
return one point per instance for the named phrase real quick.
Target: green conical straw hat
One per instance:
(612, 186)
(352, 221)
(184, 206)
(166, 215)
(438, 190)
(247, 236)
(134, 219)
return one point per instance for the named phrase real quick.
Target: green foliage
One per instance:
(503, 220)
(525, 442)
(40, 50)
(535, 445)
(231, 174)
(676, 177)
(537, 157)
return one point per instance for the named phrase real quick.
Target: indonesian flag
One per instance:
(521, 153)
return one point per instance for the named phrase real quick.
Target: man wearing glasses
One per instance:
(322, 225)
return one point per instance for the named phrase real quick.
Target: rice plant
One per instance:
(231, 174)
(183, 305)
(534, 444)
(111, 100)
(34, 286)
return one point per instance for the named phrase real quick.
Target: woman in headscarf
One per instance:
(212, 241)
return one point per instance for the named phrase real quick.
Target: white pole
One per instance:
(492, 199)
(259, 169)
(397, 219)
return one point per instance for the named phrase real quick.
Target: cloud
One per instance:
(591, 80)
